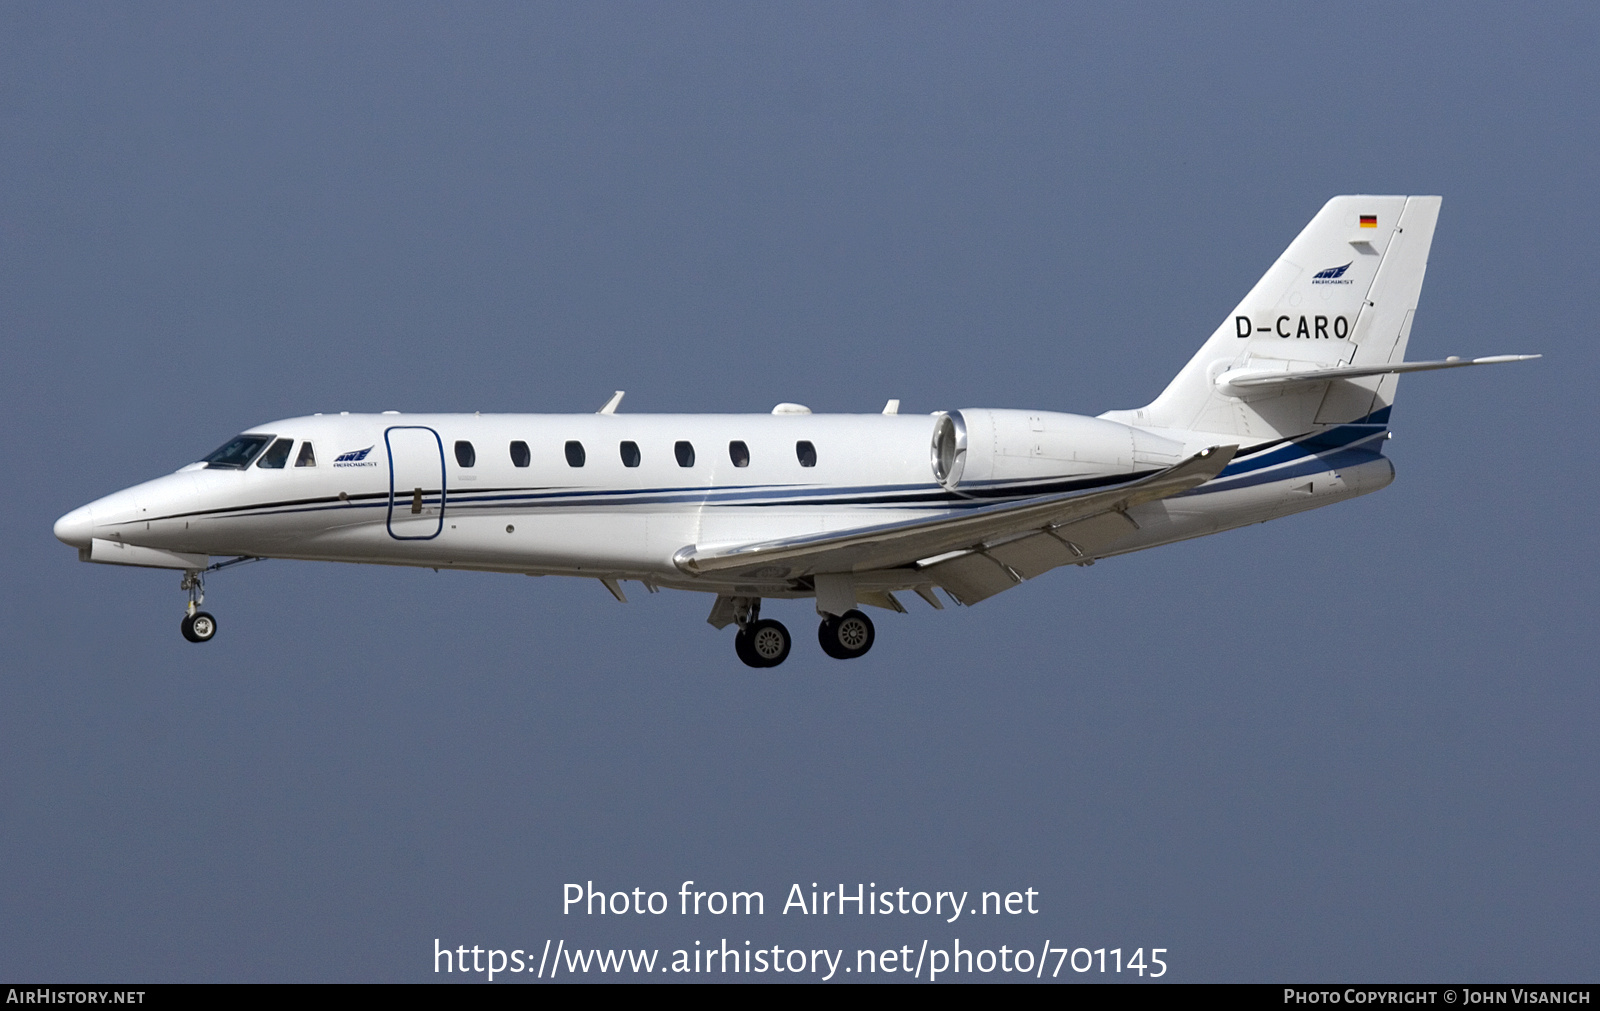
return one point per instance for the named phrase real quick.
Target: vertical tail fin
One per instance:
(1343, 293)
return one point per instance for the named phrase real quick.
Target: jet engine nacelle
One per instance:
(978, 445)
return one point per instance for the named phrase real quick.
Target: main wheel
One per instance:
(763, 643)
(741, 646)
(846, 636)
(199, 627)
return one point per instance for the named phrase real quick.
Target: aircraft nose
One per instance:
(77, 527)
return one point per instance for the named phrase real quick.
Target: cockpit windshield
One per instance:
(237, 452)
(276, 457)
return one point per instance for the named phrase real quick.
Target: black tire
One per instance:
(741, 646)
(828, 639)
(768, 641)
(846, 636)
(199, 627)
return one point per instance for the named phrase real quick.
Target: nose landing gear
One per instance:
(198, 625)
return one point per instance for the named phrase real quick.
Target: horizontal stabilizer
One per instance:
(1258, 378)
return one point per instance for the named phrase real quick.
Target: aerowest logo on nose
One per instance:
(355, 458)
(1333, 275)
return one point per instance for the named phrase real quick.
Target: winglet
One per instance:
(611, 405)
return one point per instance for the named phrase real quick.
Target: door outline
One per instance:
(389, 521)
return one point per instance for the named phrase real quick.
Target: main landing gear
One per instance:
(762, 642)
(846, 636)
(198, 625)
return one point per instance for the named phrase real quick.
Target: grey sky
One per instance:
(1355, 744)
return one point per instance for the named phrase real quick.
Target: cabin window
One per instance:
(466, 456)
(520, 457)
(575, 454)
(806, 453)
(306, 458)
(684, 451)
(739, 453)
(237, 452)
(277, 456)
(630, 454)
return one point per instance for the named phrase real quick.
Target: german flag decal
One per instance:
(1369, 221)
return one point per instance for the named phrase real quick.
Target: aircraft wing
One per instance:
(939, 544)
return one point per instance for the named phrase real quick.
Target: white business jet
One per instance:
(1284, 409)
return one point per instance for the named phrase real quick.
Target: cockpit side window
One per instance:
(237, 452)
(277, 456)
(307, 458)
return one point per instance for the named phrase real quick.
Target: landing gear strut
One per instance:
(760, 642)
(846, 636)
(198, 625)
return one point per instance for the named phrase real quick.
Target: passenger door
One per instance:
(416, 483)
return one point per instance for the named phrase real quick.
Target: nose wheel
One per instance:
(846, 636)
(198, 625)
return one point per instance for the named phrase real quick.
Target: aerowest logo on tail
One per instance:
(1333, 275)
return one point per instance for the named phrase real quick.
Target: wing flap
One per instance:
(1093, 535)
(973, 577)
(880, 598)
(902, 543)
(1035, 554)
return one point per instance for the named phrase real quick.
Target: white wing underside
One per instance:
(974, 552)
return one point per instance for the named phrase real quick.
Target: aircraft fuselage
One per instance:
(620, 495)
